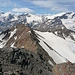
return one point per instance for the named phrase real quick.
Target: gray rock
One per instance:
(23, 62)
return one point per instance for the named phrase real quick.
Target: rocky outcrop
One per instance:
(19, 61)
(19, 36)
(23, 62)
(64, 69)
(23, 37)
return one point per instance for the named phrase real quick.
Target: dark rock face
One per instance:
(23, 62)
(73, 15)
(64, 16)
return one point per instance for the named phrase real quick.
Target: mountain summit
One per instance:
(58, 42)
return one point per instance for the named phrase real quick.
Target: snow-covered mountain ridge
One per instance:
(41, 22)
(53, 34)
(58, 48)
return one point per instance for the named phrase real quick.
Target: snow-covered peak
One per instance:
(68, 20)
(32, 18)
(63, 14)
(36, 21)
(50, 16)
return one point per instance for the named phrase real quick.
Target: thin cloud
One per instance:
(5, 3)
(8, 3)
(22, 10)
(55, 5)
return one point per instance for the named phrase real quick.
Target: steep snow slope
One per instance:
(69, 23)
(62, 50)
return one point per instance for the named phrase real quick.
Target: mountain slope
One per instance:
(18, 36)
(19, 61)
(23, 37)
(57, 47)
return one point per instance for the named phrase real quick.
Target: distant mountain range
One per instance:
(41, 22)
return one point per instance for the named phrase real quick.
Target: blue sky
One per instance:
(37, 6)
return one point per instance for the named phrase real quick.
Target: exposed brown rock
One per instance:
(64, 69)
(24, 38)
